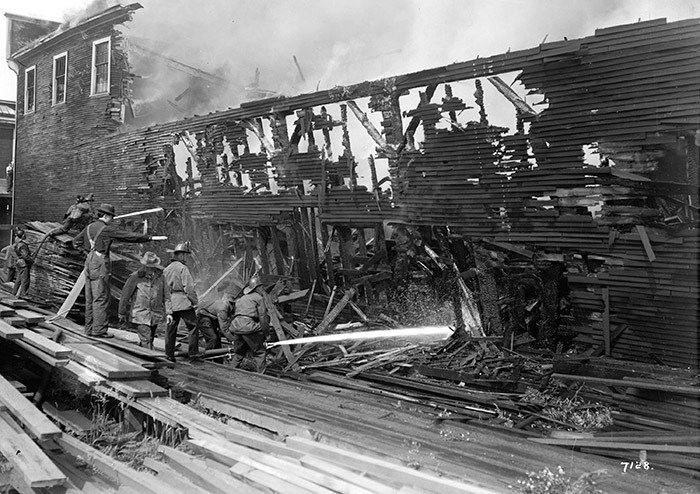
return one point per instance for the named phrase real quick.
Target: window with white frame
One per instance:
(101, 65)
(30, 89)
(60, 77)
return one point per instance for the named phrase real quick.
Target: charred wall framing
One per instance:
(606, 252)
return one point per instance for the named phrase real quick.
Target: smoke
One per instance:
(348, 41)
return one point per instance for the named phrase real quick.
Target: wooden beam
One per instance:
(646, 243)
(606, 321)
(26, 457)
(386, 470)
(333, 314)
(512, 96)
(576, 443)
(368, 125)
(275, 321)
(203, 476)
(633, 383)
(9, 332)
(140, 481)
(33, 419)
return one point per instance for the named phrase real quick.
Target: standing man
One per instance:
(149, 297)
(98, 237)
(249, 326)
(10, 175)
(23, 265)
(184, 300)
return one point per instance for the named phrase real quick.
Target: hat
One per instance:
(151, 260)
(90, 197)
(253, 283)
(106, 209)
(183, 247)
(19, 232)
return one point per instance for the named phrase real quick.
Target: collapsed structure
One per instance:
(581, 223)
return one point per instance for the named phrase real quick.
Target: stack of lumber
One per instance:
(656, 410)
(58, 265)
(380, 418)
(21, 424)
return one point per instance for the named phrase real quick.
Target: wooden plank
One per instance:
(606, 321)
(7, 311)
(36, 422)
(9, 332)
(386, 469)
(13, 302)
(171, 477)
(46, 345)
(202, 475)
(292, 296)
(282, 471)
(30, 317)
(646, 243)
(245, 472)
(70, 419)
(112, 468)
(631, 383)
(329, 468)
(318, 478)
(275, 321)
(44, 359)
(106, 363)
(26, 457)
(138, 388)
(83, 374)
(669, 448)
(16, 322)
(18, 386)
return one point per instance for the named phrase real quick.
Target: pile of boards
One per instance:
(227, 456)
(656, 411)
(58, 265)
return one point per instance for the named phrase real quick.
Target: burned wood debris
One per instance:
(569, 228)
(537, 250)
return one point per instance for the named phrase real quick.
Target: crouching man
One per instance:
(249, 326)
(148, 296)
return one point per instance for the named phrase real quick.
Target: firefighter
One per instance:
(98, 237)
(184, 301)
(23, 264)
(249, 326)
(146, 299)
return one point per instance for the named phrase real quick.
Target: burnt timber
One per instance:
(618, 236)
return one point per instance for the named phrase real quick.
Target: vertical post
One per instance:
(261, 241)
(277, 249)
(606, 321)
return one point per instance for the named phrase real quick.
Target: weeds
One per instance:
(547, 482)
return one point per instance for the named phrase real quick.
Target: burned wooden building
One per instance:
(576, 225)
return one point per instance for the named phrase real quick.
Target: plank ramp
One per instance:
(26, 457)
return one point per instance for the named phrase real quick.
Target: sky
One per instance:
(347, 41)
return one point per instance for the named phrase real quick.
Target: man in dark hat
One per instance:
(184, 301)
(96, 239)
(146, 299)
(23, 265)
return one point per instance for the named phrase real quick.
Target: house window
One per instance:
(60, 72)
(29, 89)
(101, 65)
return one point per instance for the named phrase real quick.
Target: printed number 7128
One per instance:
(635, 465)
